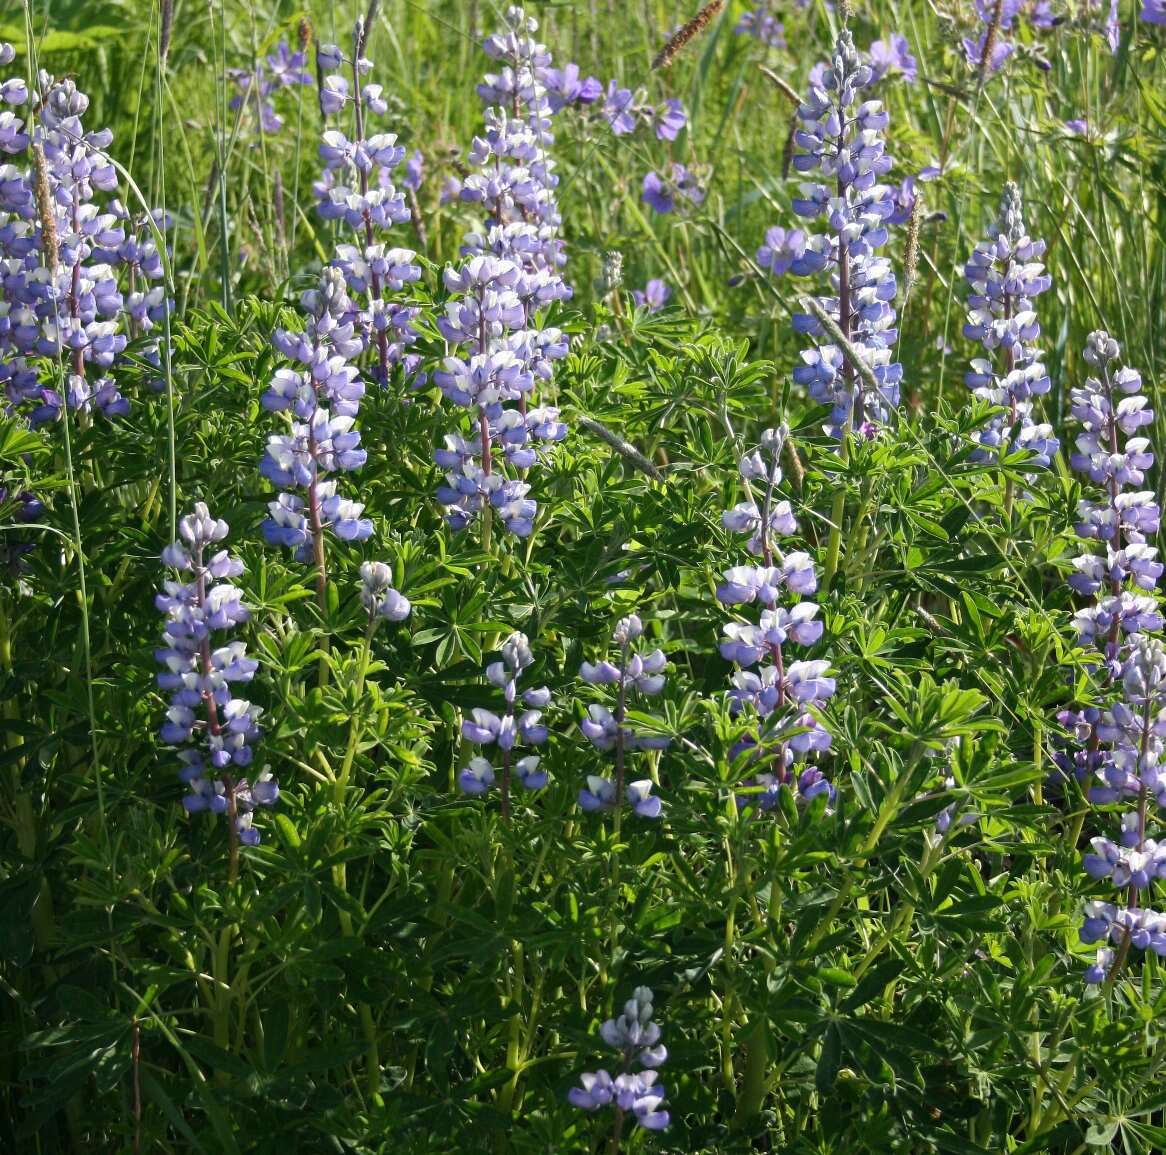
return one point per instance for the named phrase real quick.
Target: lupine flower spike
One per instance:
(322, 398)
(607, 729)
(841, 137)
(510, 275)
(357, 188)
(508, 728)
(634, 1093)
(781, 694)
(216, 730)
(1004, 275)
(1123, 744)
(61, 248)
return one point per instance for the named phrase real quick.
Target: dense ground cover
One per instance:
(573, 581)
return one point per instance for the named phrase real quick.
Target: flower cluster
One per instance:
(664, 193)
(1004, 274)
(384, 604)
(199, 677)
(357, 188)
(631, 1092)
(841, 137)
(781, 694)
(607, 729)
(1122, 755)
(893, 57)
(508, 728)
(991, 48)
(322, 396)
(60, 251)
(762, 25)
(625, 111)
(256, 87)
(1115, 457)
(511, 273)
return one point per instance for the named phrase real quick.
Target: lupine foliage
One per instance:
(582, 579)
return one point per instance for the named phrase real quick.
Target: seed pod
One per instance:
(686, 34)
(304, 33)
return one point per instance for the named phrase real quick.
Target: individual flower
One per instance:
(200, 668)
(653, 297)
(663, 193)
(378, 596)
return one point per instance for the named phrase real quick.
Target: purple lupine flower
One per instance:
(893, 57)
(321, 397)
(508, 728)
(199, 671)
(62, 296)
(1113, 26)
(636, 1093)
(378, 596)
(607, 730)
(780, 693)
(974, 52)
(1110, 407)
(653, 297)
(761, 24)
(782, 247)
(619, 110)
(564, 87)
(256, 86)
(669, 119)
(662, 193)
(357, 187)
(1005, 275)
(1123, 753)
(1153, 12)
(841, 136)
(510, 276)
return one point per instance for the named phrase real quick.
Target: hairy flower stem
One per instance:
(374, 292)
(339, 871)
(837, 513)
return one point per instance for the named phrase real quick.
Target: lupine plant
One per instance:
(841, 136)
(633, 1094)
(384, 825)
(631, 673)
(198, 673)
(509, 728)
(769, 685)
